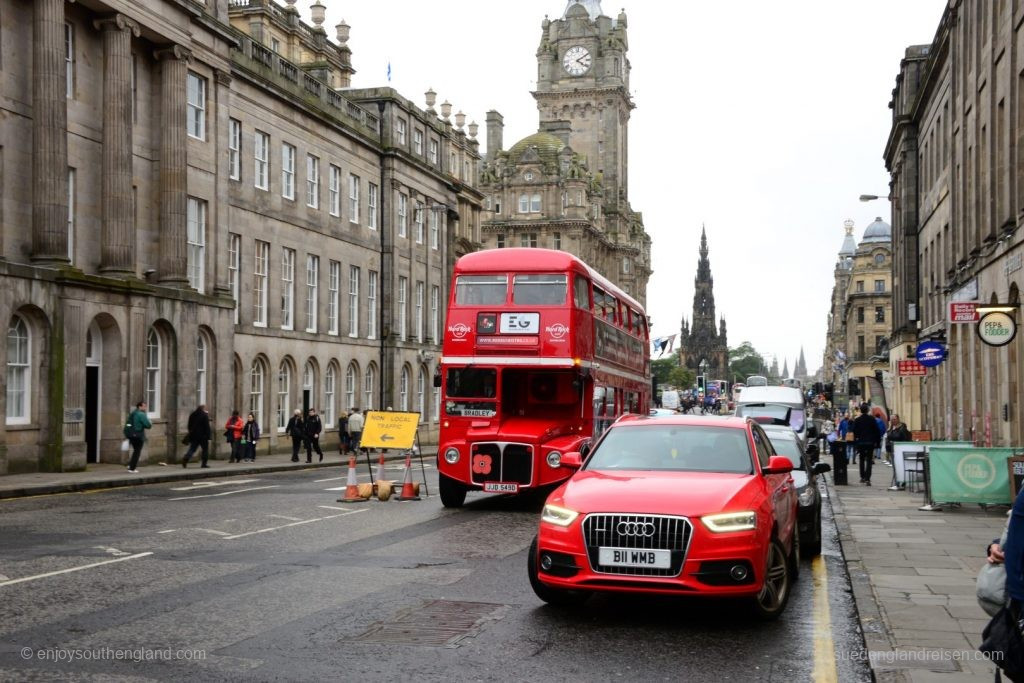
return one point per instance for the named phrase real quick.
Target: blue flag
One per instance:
(389, 71)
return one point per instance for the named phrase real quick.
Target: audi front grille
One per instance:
(640, 532)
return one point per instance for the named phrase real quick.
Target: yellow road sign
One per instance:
(386, 429)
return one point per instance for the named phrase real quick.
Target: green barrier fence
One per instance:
(969, 475)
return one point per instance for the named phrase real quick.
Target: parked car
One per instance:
(662, 412)
(672, 505)
(787, 442)
(777, 402)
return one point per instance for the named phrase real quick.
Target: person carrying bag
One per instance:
(1003, 640)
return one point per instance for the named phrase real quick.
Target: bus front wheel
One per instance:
(453, 494)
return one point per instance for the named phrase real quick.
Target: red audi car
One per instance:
(683, 505)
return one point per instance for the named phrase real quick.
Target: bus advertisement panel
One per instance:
(540, 353)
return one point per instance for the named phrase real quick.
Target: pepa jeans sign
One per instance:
(997, 328)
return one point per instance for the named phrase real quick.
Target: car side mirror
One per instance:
(778, 464)
(572, 460)
(585, 449)
(822, 467)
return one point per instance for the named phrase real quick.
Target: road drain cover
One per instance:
(437, 623)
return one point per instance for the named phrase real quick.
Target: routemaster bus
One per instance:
(540, 354)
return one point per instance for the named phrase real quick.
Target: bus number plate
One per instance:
(500, 487)
(520, 323)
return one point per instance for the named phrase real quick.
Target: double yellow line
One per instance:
(824, 647)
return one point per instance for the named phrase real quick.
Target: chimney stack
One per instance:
(495, 133)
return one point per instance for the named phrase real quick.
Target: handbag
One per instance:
(991, 587)
(185, 441)
(126, 446)
(849, 437)
(228, 436)
(1003, 645)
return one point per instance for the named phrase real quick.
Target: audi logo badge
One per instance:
(644, 529)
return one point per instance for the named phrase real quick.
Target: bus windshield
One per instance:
(539, 290)
(471, 392)
(481, 290)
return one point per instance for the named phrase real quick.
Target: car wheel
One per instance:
(453, 494)
(813, 549)
(553, 596)
(771, 600)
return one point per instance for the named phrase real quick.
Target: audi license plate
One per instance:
(500, 487)
(633, 557)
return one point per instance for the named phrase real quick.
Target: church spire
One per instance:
(704, 339)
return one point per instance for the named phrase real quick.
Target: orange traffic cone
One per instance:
(380, 467)
(408, 490)
(351, 485)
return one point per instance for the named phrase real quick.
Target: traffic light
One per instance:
(819, 388)
(829, 389)
(853, 387)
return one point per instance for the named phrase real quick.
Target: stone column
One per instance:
(117, 250)
(173, 165)
(49, 135)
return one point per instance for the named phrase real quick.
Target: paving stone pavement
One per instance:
(913, 574)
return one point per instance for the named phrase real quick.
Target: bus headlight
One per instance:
(554, 459)
(451, 455)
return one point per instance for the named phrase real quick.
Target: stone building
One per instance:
(566, 186)
(210, 217)
(834, 361)
(703, 344)
(957, 191)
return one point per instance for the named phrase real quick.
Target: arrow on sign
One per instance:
(386, 437)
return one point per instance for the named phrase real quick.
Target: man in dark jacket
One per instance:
(313, 426)
(198, 435)
(866, 437)
(297, 430)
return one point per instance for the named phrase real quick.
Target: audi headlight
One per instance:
(558, 516)
(806, 496)
(451, 455)
(554, 459)
(730, 521)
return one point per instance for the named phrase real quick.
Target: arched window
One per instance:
(403, 391)
(284, 381)
(256, 378)
(351, 382)
(19, 371)
(421, 394)
(535, 203)
(201, 348)
(329, 378)
(309, 383)
(371, 378)
(154, 377)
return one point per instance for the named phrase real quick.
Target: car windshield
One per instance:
(673, 448)
(788, 447)
(776, 410)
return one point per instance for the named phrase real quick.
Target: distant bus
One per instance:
(757, 381)
(792, 383)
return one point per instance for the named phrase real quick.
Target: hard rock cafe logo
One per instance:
(557, 331)
(459, 330)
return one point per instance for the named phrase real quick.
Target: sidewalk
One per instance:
(913, 576)
(102, 476)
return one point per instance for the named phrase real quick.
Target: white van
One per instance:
(776, 402)
(670, 400)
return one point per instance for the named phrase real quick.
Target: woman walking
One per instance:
(233, 431)
(250, 436)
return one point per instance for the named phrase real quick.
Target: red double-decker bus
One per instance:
(540, 353)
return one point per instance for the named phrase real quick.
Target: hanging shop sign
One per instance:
(911, 368)
(963, 312)
(930, 353)
(997, 328)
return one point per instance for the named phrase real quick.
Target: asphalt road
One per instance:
(269, 578)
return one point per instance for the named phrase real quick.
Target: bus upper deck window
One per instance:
(581, 292)
(481, 290)
(539, 290)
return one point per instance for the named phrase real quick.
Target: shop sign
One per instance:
(930, 353)
(968, 292)
(997, 328)
(911, 368)
(963, 312)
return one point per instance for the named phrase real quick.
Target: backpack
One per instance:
(129, 428)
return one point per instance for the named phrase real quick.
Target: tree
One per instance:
(682, 378)
(662, 368)
(744, 361)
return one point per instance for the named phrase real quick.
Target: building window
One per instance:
(351, 378)
(467, 171)
(860, 347)
(419, 312)
(879, 314)
(196, 105)
(261, 154)
(420, 210)
(860, 286)
(334, 190)
(528, 239)
(234, 266)
(312, 181)
(400, 130)
(524, 203)
(497, 206)
(287, 171)
(403, 391)
(368, 386)
(333, 281)
(353, 198)
(371, 304)
(287, 288)
(500, 239)
(284, 381)
(19, 371)
(421, 394)
(154, 376)
(371, 207)
(403, 202)
(556, 240)
(453, 164)
(417, 142)
(312, 291)
(196, 235)
(535, 203)
(436, 407)
(259, 288)
(433, 152)
(435, 302)
(353, 301)
(879, 285)
(275, 45)
(71, 215)
(879, 259)
(435, 220)
(403, 288)
(860, 314)
(201, 370)
(256, 380)
(235, 149)
(625, 264)
(69, 60)
(329, 380)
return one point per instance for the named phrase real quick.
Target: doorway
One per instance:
(93, 356)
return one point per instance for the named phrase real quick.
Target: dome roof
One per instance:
(879, 231)
(547, 145)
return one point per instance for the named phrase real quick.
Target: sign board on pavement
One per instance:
(963, 312)
(911, 367)
(1015, 465)
(969, 475)
(388, 429)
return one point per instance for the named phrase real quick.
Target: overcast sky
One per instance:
(763, 121)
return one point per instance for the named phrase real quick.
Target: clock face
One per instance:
(577, 60)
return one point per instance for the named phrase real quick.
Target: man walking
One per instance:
(135, 431)
(865, 439)
(198, 435)
(313, 426)
(355, 428)
(297, 431)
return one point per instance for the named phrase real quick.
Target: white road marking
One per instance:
(337, 488)
(318, 481)
(225, 493)
(290, 519)
(328, 507)
(113, 551)
(213, 531)
(285, 526)
(167, 531)
(208, 484)
(11, 582)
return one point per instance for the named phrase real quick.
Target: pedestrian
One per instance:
(847, 437)
(355, 428)
(866, 437)
(233, 432)
(250, 437)
(297, 431)
(897, 432)
(881, 419)
(343, 442)
(198, 435)
(1002, 639)
(313, 426)
(135, 431)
